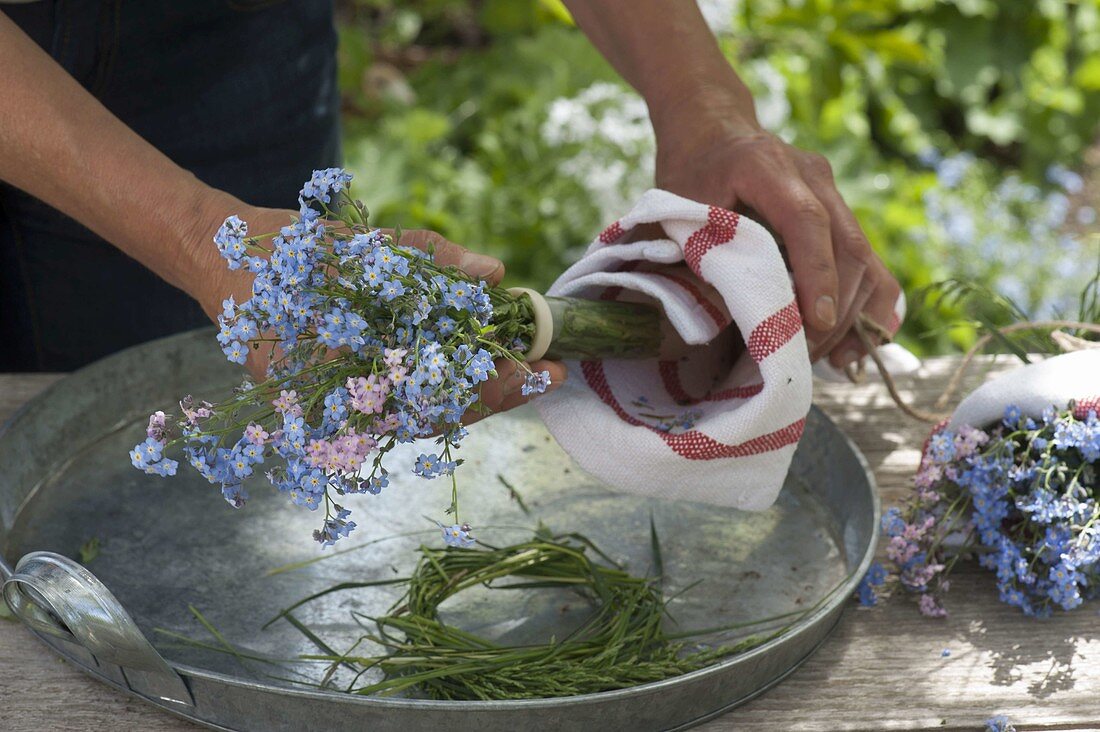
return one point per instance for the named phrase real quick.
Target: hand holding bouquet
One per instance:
(370, 344)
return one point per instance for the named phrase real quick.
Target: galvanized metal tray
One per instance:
(170, 544)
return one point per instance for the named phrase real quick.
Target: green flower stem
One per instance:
(600, 329)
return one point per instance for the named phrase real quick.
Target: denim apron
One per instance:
(240, 92)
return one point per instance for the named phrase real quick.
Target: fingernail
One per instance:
(478, 265)
(825, 308)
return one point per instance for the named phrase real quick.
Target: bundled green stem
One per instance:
(599, 329)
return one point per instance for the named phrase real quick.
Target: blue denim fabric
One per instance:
(241, 92)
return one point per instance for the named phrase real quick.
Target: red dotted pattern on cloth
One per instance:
(670, 376)
(737, 392)
(1082, 407)
(701, 300)
(693, 445)
(774, 332)
(597, 381)
(611, 233)
(720, 227)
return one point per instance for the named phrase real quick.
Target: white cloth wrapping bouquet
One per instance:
(1033, 388)
(699, 427)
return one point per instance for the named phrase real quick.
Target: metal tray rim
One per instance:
(180, 714)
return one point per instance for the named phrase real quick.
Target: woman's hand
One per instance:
(710, 148)
(711, 151)
(214, 282)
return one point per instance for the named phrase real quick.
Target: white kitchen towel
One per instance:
(701, 427)
(1033, 388)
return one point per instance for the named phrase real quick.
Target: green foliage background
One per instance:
(942, 119)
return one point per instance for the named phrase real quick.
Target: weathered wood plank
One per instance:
(881, 669)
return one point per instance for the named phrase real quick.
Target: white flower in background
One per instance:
(615, 159)
(773, 109)
(610, 123)
(767, 83)
(720, 14)
(603, 110)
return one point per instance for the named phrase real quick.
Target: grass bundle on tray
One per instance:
(621, 644)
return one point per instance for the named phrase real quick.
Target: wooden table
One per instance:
(883, 668)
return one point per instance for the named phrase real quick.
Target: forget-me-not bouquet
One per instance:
(1023, 495)
(371, 345)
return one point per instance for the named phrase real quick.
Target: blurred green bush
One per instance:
(954, 127)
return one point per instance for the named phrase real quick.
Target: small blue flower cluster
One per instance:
(458, 536)
(149, 456)
(370, 344)
(999, 723)
(1022, 496)
(865, 591)
(433, 466)
(324, 183)
(535, 383)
